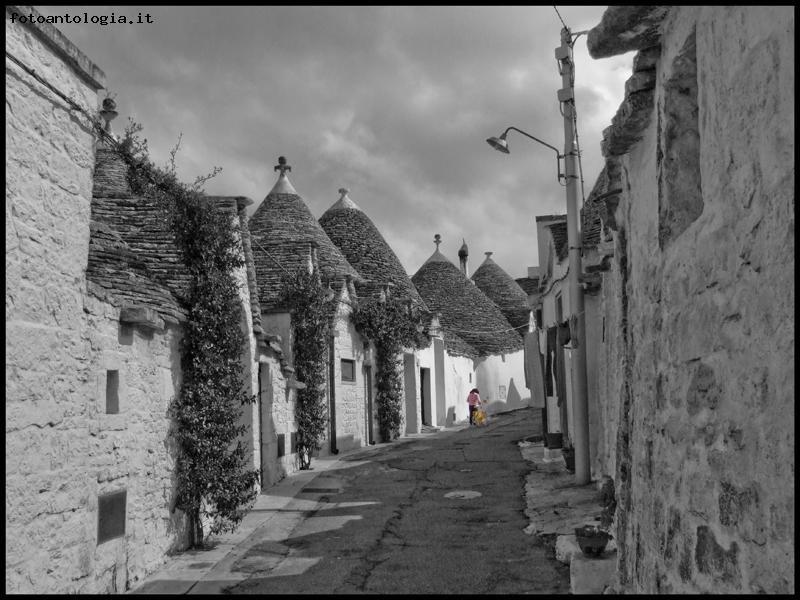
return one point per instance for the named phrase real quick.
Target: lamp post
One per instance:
(576, 304)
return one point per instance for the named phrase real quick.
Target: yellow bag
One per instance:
(480, 417)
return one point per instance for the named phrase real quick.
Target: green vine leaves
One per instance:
(306, 297)
(392, 326)
(213, 478)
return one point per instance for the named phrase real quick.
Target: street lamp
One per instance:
(579, 395)
(501, 144)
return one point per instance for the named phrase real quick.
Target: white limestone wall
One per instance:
(66, 451)
(707, 455)
(62, 450)
(501, 381)
(559, 284)
(276, 415)
(426, 360)
(277, 404)
(351, 399)
(595, 334)
(412, 410)
(459, 375)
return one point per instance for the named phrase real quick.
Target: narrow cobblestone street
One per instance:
(443, 514)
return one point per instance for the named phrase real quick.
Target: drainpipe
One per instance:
(332, 392)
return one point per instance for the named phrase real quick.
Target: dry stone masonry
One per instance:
(697, 377)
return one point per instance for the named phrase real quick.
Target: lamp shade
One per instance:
(498, 143)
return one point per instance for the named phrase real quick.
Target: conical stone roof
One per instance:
(139, 221)
(282, 232)
(354, 233)
(465, 310)
(501, 289)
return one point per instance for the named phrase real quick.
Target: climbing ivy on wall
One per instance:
(391, 326)
(306, 296)
(213, 481)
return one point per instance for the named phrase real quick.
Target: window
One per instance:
(281, 444)
(559, 310)
(348, 370)
(125, 334)
(539, 323)
(111, 516)
(112, 392)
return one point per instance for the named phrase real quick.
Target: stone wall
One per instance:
(501, 381)
(276, 406)
(435, 408)
(62, 450)
(595, 335)
(699, 305)
(87, 396)
(459, 377)
(278, 425)
(351, 401)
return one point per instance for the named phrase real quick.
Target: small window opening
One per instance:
(112, 392)
(111, 516)
(559, 309)
(125, 336)
(348, 370)
(281, 444)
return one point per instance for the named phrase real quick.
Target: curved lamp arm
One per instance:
(559, 156)
(501, 145)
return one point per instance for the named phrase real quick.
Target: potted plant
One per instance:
(554, 440)
(592, 539)
(568, 452)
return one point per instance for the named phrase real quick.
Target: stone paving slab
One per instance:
(556, 506)
(592, 575)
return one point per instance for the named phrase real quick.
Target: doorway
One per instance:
(425, 396)
(370, 415)
(409, 379)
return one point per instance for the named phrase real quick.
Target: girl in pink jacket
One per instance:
(474, 401)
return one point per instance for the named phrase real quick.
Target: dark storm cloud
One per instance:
(393, 102)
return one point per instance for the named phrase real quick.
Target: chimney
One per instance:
(110, 169)
(463, 257)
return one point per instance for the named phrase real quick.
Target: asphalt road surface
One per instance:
(438, 515)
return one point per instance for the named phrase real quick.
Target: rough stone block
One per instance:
(141, 315)
(592, 575)
(712, 559)
(566, 548)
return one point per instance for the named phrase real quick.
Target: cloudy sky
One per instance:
(392, 102)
